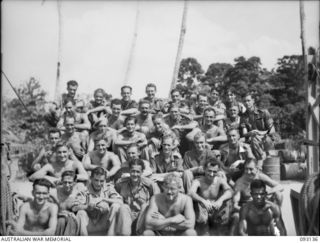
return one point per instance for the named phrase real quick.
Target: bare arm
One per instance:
(147, 169)
(119, 141)
(82, 174)
(275, 186)
(190, 218)
(155, 223)
(130, 112)
(39, 158)
(243, 222)
(222, 137)
(41, 173)
(236, 200)
(116, 164)
(85, 125)
(227, 194)
(193, 192)
(99, 108)
(86, 161)
(277, 215)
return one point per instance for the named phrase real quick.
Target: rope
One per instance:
(15, 91)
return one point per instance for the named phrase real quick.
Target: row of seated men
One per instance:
(180, 142)
(135, 205)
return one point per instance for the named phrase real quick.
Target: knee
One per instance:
(190, 232)
(115, 207)
(148, 233)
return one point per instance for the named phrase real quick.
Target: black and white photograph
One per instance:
(159, 118)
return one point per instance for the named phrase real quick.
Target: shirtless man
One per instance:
(126, 102)
(259, 216)
(82, 123)
(103, 131)
(211, 192)
(136, 191)
(144, 118)
(202, 104)
(242, 189)
(156, 104)
(52, 172)
(69, 195)
(170, 212)
(214, 134)
(100, 157)
(77, 141)
(131, 136)
(115, 120)
(195, 159)
(37, 217)
(46, 153)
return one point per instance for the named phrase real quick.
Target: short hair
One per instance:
(172, 178)
(126, 87)
(99, 138)
(61, 144)
(116, 102)
(174, 90)
(54, 130)
(167, 136)
(250, 160)
(69, 99)
(130, 118)
(98, 171)
(173, 105)
(231, 90)
(233, 128)
(134, 145)
(143, 101)
(157, 116)
(209, 109)
(249, 93)
(69, 173)
(214, 89)
(151, 85)
(72, 83)
(212, 162)
(99, 91)
(202, 94)
(199, 135)
(42, 182)
(69, 117)
(257, 184)
(137, 162)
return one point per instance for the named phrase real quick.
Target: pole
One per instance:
(133, 46)
(180, 46)
(57, 88)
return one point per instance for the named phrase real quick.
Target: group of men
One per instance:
(156, 167)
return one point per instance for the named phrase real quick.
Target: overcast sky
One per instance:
(97, 35)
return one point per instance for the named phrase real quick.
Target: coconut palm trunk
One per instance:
(180, 46)
(133, 46)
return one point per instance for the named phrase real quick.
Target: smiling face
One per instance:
(69, 125)
(130, 126)
(250, 170)
(116, 109)
(135, 173)
(203, 101)
(69, 108)
(133, 153)
(40, 194)
(151, 92)
(144, 109)
(98, 98)
(62, 154)
(175, 113)
(102, 127)
(126, 94)
(208, 118)
(101, 146)
(214, 95)
(176, 97)
(158, 124)
(231, 96)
